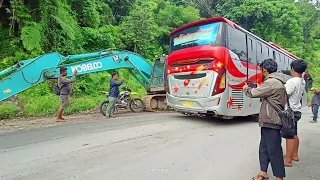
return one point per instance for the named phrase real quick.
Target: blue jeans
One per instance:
(315, 109)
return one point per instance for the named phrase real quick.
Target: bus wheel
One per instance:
(186, 114)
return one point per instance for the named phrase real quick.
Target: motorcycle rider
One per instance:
(114, 94)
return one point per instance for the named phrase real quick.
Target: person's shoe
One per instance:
(113, 116)
(260, 177)
(313, 121)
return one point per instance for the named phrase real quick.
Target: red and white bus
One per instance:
(210, 61)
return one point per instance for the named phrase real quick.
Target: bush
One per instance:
(84, 104)
(8, 111)
(41, 105)
(40, 101)
(49, 104)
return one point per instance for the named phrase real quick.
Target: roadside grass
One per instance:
(8, 111)
(40, 100)
(85, 103)
(48, 105)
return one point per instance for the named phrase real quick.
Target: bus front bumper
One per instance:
(189, 105)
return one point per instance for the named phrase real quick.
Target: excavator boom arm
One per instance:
(29, 73)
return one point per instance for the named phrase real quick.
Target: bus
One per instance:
(210, 61)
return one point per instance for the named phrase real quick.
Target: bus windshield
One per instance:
(195, 36)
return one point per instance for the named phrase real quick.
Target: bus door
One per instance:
(252, 61)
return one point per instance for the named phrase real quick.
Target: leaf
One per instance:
(31, 37)
(67, 28)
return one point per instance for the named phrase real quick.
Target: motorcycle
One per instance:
(124, 101)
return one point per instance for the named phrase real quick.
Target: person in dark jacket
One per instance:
(65, 91)
(270, 149)
(315, 104)
(113, 95)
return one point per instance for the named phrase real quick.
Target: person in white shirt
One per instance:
(295, 88)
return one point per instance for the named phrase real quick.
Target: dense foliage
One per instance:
(31, 28)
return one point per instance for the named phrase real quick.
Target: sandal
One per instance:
(259, 177)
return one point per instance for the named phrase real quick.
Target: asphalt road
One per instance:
(148, 147)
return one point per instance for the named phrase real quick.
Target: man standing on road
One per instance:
(113, 95)
(315, 104)
(273, 89)
(65, 90)
(295, 87)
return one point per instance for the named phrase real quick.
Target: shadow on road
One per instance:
(218, 121)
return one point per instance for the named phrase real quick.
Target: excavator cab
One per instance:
(157, 84)
(155, 100)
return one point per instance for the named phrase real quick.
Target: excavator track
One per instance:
(155, 102)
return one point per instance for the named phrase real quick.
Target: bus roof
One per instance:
(280, 48)
(205, 21)
(232, 24)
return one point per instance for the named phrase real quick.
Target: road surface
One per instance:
(148, 147)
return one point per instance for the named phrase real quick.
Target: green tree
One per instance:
(168, 17)
(136, 30)
(87, 13)
(105, 12)
(31, 28)
(121, 8)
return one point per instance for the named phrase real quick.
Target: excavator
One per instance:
(28, 73)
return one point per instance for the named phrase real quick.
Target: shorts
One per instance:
(64, 101)
(297, 117)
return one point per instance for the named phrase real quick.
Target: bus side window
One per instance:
(260, 56)
(283, 62)
(265, 52)
(278, 59)
(237, 43)
(252, 57)
(274, 55)
(289, 62)
(269, 52)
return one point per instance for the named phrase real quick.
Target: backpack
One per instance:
(57, 89)
(287, 119)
